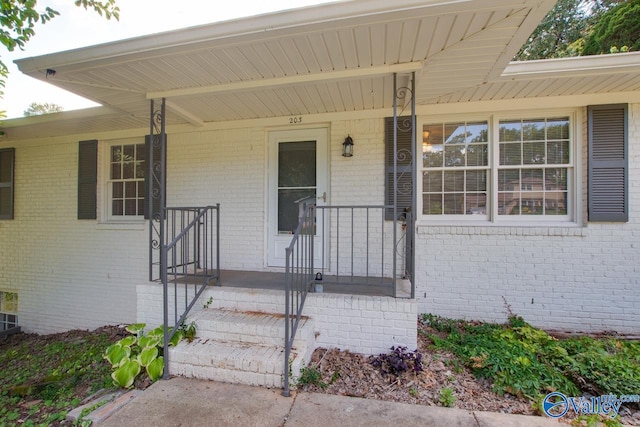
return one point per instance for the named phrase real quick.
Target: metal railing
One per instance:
(299, 276)
(359, 250)
(189, 262)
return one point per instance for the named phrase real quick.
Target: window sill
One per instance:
(501, 229)
(138, 225)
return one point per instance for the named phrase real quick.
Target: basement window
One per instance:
(8, 310)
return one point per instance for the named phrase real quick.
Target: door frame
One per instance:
(275, 136)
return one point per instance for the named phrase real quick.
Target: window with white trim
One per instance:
(8, 310)
(126, 180)
(498, 169)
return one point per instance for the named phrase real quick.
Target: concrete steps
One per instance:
(242, 347)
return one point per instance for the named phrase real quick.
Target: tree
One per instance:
(18, 19)
(616, 29)
(36, 109)
(568, 26)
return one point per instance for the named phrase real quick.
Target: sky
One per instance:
(76, 28)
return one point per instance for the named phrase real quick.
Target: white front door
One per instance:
(297, 170)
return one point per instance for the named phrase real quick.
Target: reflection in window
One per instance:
(455, 159)
(530, 179)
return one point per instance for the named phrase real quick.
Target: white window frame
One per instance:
(492, 218)
(107, 188)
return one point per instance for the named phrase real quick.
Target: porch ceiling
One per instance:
(332, 58)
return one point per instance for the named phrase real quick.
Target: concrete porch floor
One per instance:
(352, 285)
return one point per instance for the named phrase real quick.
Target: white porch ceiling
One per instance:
(332, 58)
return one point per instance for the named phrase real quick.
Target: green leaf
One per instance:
(116, 353)
(148, 342)
(156, 368)
(177, 337)
(128, 341)
(126, 374)
(135, 328)
(148, 355)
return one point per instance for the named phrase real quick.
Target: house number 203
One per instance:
(295, 120)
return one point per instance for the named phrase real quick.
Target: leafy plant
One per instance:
(398, 361)
(526, 361)
(447, 397)
(310, 375)
(130, 354)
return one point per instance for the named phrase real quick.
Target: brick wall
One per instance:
(584, 278)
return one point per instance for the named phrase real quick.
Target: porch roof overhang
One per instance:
(333, 58)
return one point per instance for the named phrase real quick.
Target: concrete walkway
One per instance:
(188, 402)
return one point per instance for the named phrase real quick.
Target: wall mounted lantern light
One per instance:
(347, 147)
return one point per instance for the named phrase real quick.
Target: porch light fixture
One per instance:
(347, 147)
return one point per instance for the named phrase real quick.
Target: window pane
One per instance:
(477, 204)
(533, 130)
(140, 206)
(477, 155)
(558, 152)
(141, 152)
(477, 132)
(130, 206)
(432, 204)
(556, 203)
(140, 169)
(455, 133)
(141, 189)
(476, 181)
(127, 170)
(5, 165)
(5, 201)
(454, 155)
(288, 210)
(117, 208)
(116, 172)
(432, 182)
(510, 154)
(453, 181)
(532, 178)
(510, 131)
(558, 128)
(453, 204)
(508, 180)
(116, 153)
(297, 164)
(533, 153)
(117, 190)
(432, 155)
(130, 189)
(556, 179)
(128, 153)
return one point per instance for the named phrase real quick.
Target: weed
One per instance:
(310, 375)
(447, 397)
(208, 303)
(414, 392)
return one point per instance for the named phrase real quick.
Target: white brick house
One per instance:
(500, 219)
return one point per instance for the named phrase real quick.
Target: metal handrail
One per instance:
(189, 262)
(299, 276)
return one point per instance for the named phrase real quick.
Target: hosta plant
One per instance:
(131, 354)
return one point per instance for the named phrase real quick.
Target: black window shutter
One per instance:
(87, 179)
(7, 162)
(405, 169)
(608, 163)
(148, 181)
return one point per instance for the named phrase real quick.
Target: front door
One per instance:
(297, 171)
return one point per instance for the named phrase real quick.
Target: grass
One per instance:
(42, 377)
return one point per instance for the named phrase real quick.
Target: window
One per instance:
(126, 180)
(498, 169)
(8, 310)
(6, 182)
(455, 158)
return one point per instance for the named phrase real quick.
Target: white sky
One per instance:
(76, 28)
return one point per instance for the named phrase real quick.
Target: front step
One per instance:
(241, 347)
